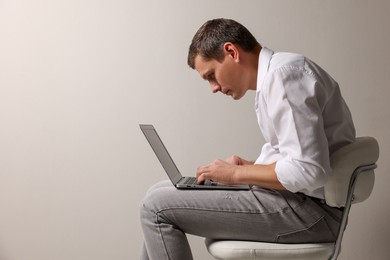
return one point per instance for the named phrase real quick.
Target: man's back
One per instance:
(303, 118)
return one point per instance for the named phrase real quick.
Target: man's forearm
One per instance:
(260, 175)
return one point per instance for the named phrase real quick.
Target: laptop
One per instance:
(179, 181)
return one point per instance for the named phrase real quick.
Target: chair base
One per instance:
(242, 250)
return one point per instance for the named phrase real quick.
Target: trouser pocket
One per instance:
(317, 232)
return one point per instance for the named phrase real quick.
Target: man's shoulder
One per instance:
(287, 60)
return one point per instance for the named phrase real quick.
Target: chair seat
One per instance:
(228, 249)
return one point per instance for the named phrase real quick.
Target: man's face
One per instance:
(226, 76)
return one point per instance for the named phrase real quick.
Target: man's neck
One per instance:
(254, 66)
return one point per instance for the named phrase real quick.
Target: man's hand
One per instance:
(218, 171)
(222, 171)
(236, 170)
(236, 160)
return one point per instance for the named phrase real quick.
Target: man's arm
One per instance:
(236, 170)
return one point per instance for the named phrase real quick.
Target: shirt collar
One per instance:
(264, 61)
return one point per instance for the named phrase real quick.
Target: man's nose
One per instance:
(215, 87)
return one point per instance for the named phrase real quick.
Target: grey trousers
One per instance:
(167, 214)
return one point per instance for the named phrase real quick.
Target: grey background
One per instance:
(78, 76)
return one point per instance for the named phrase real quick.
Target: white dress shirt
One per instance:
(303, 118)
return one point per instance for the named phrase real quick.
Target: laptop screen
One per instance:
(161, 153)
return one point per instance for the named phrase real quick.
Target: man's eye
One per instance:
(211, 76)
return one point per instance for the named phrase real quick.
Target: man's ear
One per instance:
(232, 51)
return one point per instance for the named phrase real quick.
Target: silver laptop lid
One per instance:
(161, 153)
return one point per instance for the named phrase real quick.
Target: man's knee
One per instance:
(155, 198)
(159, 185)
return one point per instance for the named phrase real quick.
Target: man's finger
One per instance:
(200, 178)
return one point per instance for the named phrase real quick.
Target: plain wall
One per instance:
(78, 76)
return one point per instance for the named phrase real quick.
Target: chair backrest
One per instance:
(364, 151)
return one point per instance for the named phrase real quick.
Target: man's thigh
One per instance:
(257, 214)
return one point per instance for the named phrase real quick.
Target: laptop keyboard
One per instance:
(190, 180)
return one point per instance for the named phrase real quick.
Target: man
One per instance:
(303, 118)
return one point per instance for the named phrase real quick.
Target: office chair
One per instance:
(351, 182)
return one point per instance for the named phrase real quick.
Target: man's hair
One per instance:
(209, 39)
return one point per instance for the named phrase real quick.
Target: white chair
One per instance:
(352, 181)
